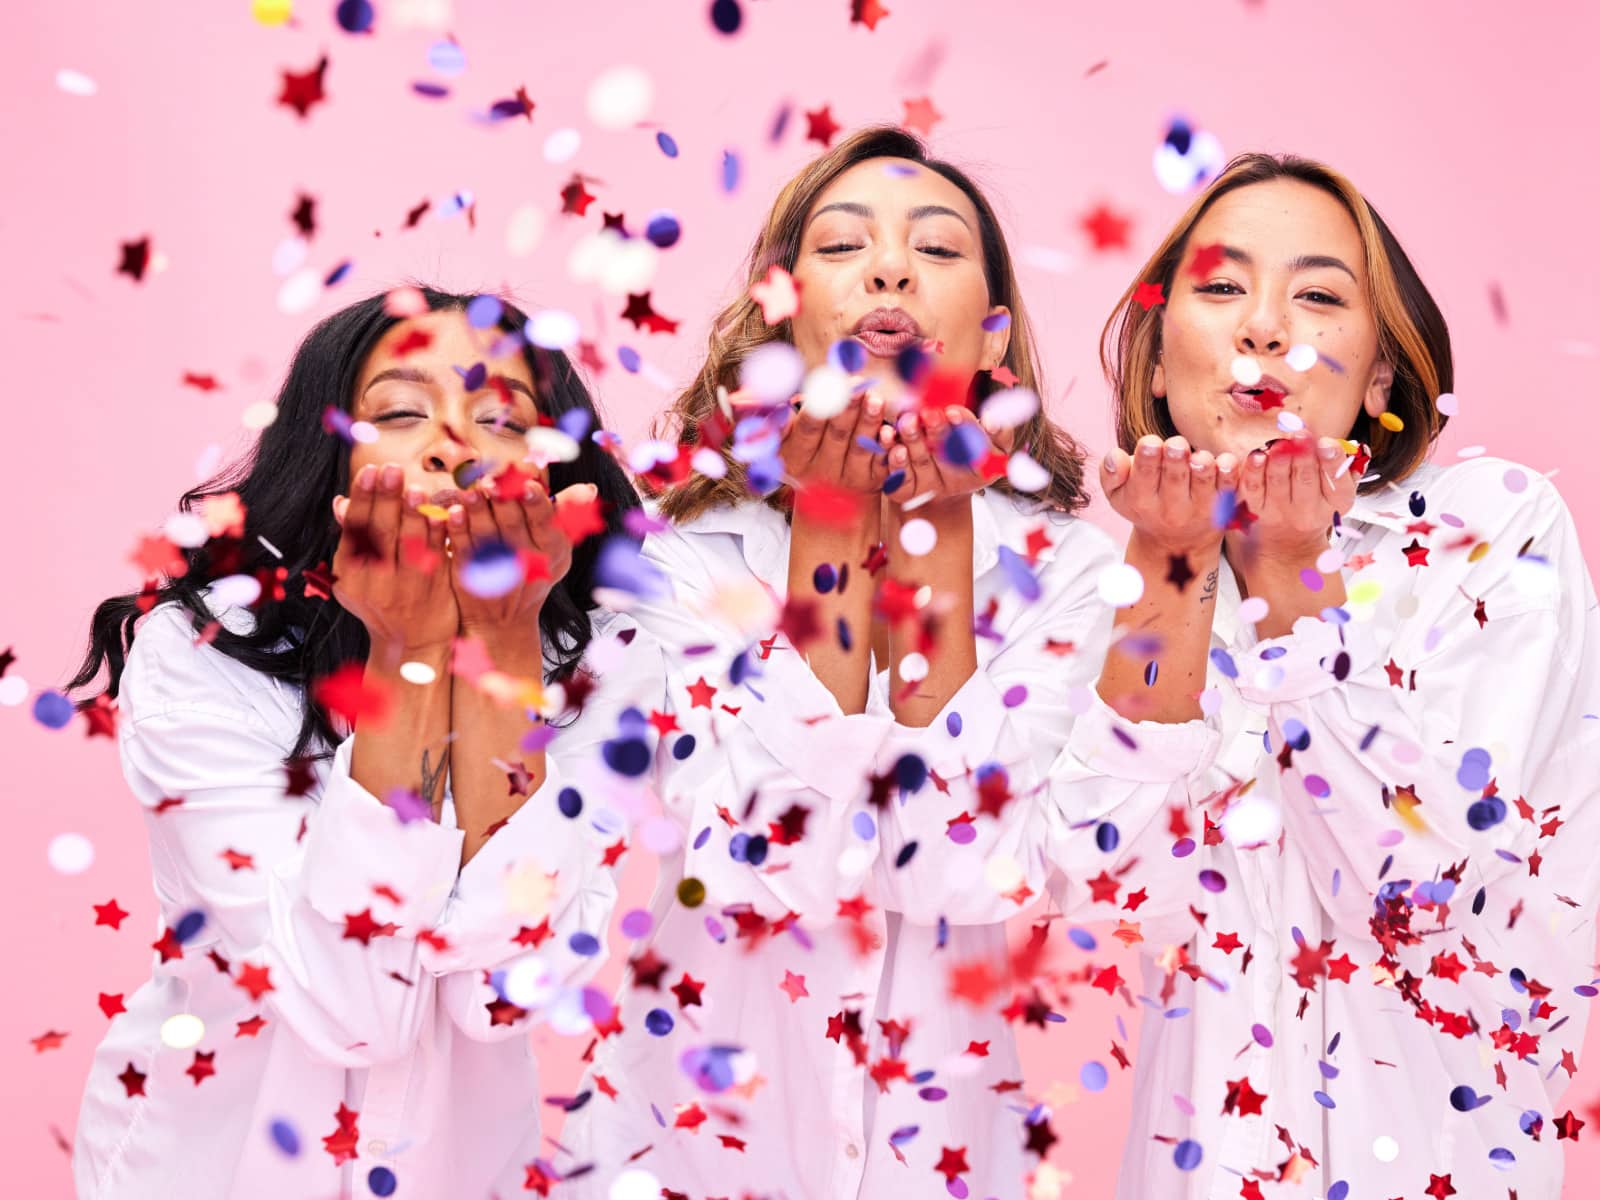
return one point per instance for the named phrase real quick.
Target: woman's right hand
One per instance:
(1168, 493)
(836, 451)
(389, 569)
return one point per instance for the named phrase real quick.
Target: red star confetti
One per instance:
(575, 199)
(348, 695)
(793, 986)
(110, 913)
(644, 316)
(1107, 229)
(135, 259)
(921, 116)
(255, 980)
(1206, 259)
(132, 1080)
(1149, 295)
(303, 90)
(111, 1004)
(341, 1143)
(203, 1067)
(251, 1027)
(867, 12)
(820, 126)
(952, 1163)
(48, 1041)
(362, 928)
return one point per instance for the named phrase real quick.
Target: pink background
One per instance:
(1464, 121)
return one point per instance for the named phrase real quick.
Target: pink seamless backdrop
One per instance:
(1469, 124)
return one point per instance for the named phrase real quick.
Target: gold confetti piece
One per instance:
(1391, 422)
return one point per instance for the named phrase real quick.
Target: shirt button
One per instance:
(377, 1146)
(852, 1151)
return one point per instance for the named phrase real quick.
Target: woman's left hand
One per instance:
(917, 445)
(1293, 488)
(527, 527)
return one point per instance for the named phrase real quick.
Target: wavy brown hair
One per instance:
(1412, 335)
(740, 328)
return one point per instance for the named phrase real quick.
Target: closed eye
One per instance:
(497, 424)
(1220, 288)
(1318, 296)
(940, 251)
(837, 248)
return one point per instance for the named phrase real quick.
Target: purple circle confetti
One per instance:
(962, 833)
(636, 923)
(1212, 880)
(284, 1137)
(659, 1022)
(1187, 1154)
(1093, 1077)
(1262, 1035)
(669, 147)
(1183, 847)
(726, 16)
(381, 1181)
(1014, 695)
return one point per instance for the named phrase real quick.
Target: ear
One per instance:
(996, 344)
(1158, 381)
(1377, 400)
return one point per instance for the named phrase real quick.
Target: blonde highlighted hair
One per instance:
(1412, 335)
(740, 328)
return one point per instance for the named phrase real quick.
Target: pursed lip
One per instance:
(885, 332)
(1249, 398)
(445, 497)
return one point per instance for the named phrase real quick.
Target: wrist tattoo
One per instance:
(1208, 591)
(432, 777)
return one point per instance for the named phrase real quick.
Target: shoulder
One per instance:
(1493, 529)
(173, 664)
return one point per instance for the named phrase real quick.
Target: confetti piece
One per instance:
(620, 97)
(1246, 371)
(70, 853)
(75, 83)
(666, 144)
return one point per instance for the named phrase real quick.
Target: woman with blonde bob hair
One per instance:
(861, 476)
(1393, 889)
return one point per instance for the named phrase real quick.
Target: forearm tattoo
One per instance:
(1208, 592)
(432, 777)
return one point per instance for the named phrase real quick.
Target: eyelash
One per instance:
(1215, 289)
(936, 251)
(513, 426)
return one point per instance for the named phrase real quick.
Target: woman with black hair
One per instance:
(364, 720)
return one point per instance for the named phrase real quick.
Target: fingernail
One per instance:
(413, 497)
(1110, 461)
(458, 516)
(473, 497)
(1326, 451)
(392, 475)
(1149, 449)
(1257, 457)
(368, 478)
(1175, 452)
(874, 405)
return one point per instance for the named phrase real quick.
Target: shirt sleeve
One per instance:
(542, 889)
(762, 771)
(313, 900)
(1448, 754)
(1022, 762)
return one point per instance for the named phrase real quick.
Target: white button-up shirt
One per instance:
(847, 1066)
(332, 962)
(1396, 897)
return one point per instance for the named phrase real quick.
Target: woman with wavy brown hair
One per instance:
(1365, 967)
(882, 597)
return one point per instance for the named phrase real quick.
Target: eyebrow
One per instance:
(915, 214)
(414, 375)
(1305, 262)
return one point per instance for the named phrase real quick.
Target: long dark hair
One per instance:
(287, 483)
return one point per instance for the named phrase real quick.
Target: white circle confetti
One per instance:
(826, 392)
(553, 329)
(620, 98)
(1447, 404)
(562, 145)
(918, 537)
(1120, 585)
(524, 231)
(1246, 371)
(914, 667)
(182, 1031)
(419, 673)
(1302, 356)
(75, 83)
(774, 372)
(13, 691)
(70, 853)
(300, 291)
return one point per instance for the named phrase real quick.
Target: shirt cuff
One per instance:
(1141, 751)
(965, 734)
(1316, 656)
(516, 893)
(801, 725)
(359, 855)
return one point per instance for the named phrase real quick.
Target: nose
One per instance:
(1262, 330)
(447, 451)
(891, 269)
